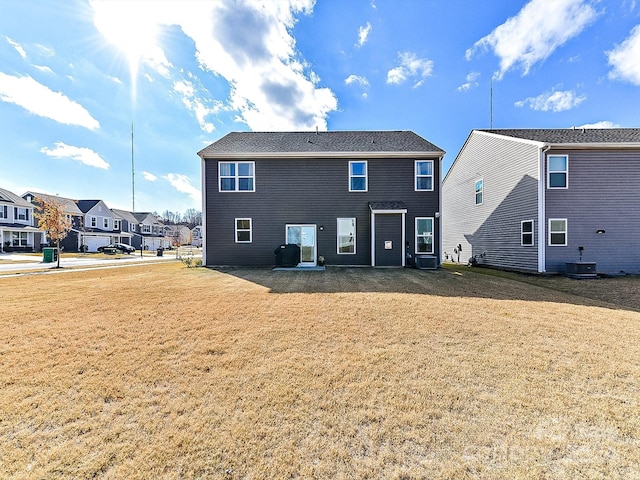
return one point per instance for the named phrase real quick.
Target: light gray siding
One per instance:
(603, 194)
(510, 171)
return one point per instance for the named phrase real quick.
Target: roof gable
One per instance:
(319, 144)
(9, 197)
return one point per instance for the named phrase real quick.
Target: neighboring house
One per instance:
(73, 240)
(179, 234)
(196, 236)
(535, 200)
(150, 231)
(18, 230)
(351, 197)
(128, 227)
(101, 225)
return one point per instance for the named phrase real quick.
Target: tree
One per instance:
(192, 217)
(52, 217)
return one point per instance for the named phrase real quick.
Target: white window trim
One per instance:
(365, 176)
(566, 172)
(566, 233)
(522, 232)
(93, 222)
(476, 191)
(338, 236)
(415, 232)
(236, 230)
(237, 178)
(416, 176)
(105, 223)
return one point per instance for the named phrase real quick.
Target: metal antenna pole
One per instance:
(133, 176)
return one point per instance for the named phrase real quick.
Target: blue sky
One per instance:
(75, 76)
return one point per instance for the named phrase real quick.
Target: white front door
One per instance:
(305, 237)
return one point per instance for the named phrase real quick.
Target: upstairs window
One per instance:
(557, 171)
(357, 176)
(105, 223)
(526, 233)
(347, 235)
(558, 232)
(243, 230)
(424, 175)
(93, 221)
(116, 224)
(424, 235)
(146, 228)
(479, 191)
(3, 211)
(236, 176)
(21, 213)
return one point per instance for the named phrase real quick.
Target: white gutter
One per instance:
(542, 221)
(317, 154)
(204, 214)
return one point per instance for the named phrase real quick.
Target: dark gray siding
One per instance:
(509, 170)
(603, 194)
(308, 191)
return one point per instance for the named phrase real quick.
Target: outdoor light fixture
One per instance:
(601, 231)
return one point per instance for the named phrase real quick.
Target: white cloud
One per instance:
(44, 102)
(43, 68)
(17, 47)
(182, 184)
(410, 67)
(197, 105)
(246, 42)
(624, 58)
(150, 177)
(363, 34)
(351, 79)
(555, 101)
(79, 154)
(471, 82)
(602, 124)
(536, 32)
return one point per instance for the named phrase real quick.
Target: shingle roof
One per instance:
(86, 205)
(573, 135)
(71, 206)
(319, 143)
(10, 197)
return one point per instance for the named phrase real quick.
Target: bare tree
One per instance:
(52, 217)
(192, 217)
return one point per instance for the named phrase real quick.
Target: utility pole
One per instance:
(133, 176)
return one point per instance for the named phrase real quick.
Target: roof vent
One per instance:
(316, 129)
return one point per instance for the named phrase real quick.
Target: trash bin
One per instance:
(160, 250)
(49, 254)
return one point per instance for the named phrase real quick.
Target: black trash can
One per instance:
(287, 255)
(160, 250)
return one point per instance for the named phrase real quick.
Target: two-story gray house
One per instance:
(346, 197)
(18, 230)
(539, 199)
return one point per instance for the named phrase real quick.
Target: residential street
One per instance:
(16, 262)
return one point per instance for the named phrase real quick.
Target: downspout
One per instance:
(203, 236)
(439, 216)
(542, 221)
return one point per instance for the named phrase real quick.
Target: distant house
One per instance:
(18, 227)
(179, 234)
(196, 236)
(73, 240)
(537, 200)
(150, 231)
(348, 198)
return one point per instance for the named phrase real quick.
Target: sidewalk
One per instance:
(16, 262)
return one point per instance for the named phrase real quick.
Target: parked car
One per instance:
(121, 247)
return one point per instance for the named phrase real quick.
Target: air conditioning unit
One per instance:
(581, 270)
(426, 262)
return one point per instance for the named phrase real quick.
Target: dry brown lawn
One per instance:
(166, 372)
